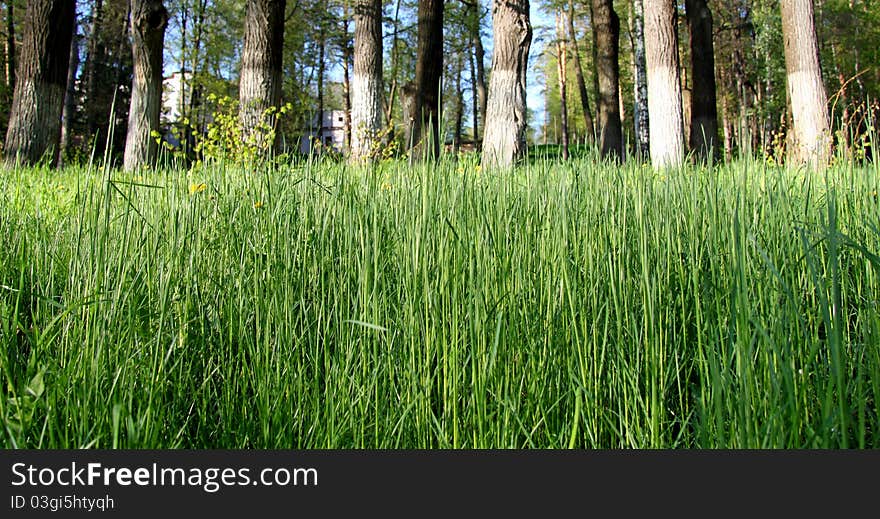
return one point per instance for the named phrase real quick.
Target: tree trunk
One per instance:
(424, 134)
(504, 140)
(261, 65)
(664, 83)
(812, 139)
(69, 109)
(607, 30)
(346, 79)
(704, 108)
(366, 87)
(579, 74)
(480, 68)
(561, 53)
(41, 80)
(10, 45)
(321, 66)
(640, 108)
(459, 105)
(148, 19)
(94, 55)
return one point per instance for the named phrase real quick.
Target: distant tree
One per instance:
(504, 141)
(69, 110)
(561, 70)
(261, 64)
(367, 115)
(148, 20)
(41, 80)
(664, 83)
(10, 44)
(423, 135)
(809, 102)
(579, 74)
(640, 81)
(607, 31)
(704, 111)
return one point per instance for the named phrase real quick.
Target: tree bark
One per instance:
(561, 53)
(704, 107)
(148, 19)
(504, 140)
(640, 87)
(346, 79)
(366, 86)
(579, 75)
(607, 30)
(458, 121)
(812, 139)
(94, 54)
(69, 109)
(261, 66)
(41, 80)
(664, 83)
(424, 135)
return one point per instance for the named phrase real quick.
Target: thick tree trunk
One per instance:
(10, 45)
(41, 80)
(809, 100)
(664, 83)
(148, 19)
(69, 109)
(504, 140)
(366, 88)
(561, 65)
(424, 132)
(607, 30)
(704, 108)
(589, 125)
(261, 64)
(640, 84)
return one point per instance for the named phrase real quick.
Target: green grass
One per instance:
(578, 305)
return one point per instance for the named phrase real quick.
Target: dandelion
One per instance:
(478, 168)
(258, 204)
(386, 186)
(197, 188)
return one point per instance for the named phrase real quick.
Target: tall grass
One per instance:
(319, 306)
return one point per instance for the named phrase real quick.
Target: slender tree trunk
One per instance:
(704, 108)
(594, 68)
(346, 79)
(424, 135)
(10, 45)
(579, 74)
(561, 53)
(476, 103)
(640, 83)
(459, 105)
(41, 79)
(366, 87)
(607, 30)
(94, 56)
(195, 99)
(321, 67)
(148, 19)
(504, 140)
(480, 78)
(809, 100)
(69, 109)
(664, 83)
(395, 67)
(261, 66)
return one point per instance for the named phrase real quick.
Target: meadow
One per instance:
(560, 305)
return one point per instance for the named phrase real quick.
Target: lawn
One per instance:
(441, 306)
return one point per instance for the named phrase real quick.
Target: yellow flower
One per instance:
(478, 168)
(386, 186)
(258, 204)
(197, 188)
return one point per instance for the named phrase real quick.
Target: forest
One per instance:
(440, 224)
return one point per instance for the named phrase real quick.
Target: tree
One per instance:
(423, 135)
(704, 111)
(366, 85)
(809, 101)
(478, 74)
(561, 69)
(10, 44)
(579, 73)
(607, 30)
(504, 139)
(41, 80)
(69, 108)
(640, 80)
(664, 83)
(261, 62)
(147, 25)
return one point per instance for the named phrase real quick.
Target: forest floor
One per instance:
(559, 305)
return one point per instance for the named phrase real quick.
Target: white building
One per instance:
(330, 134)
